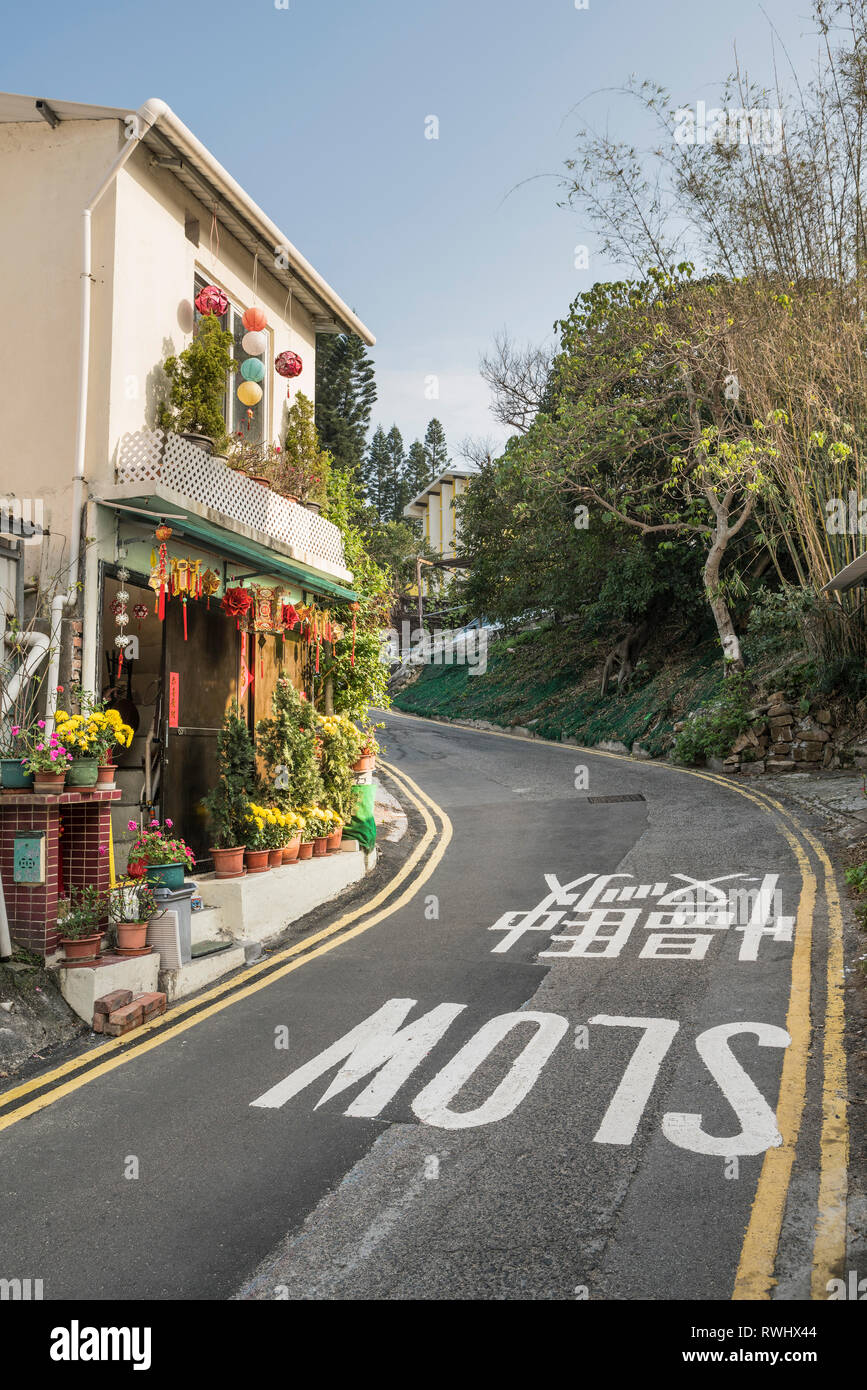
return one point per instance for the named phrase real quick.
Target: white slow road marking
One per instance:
(758, 1121)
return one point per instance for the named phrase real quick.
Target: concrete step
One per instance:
(207, 925)
(175, 984)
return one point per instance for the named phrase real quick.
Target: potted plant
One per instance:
(131, 906)
(47, 759)
(257, 852)
(287, 742)
(257, 461)
(335, 834)
(80, 927)
(227, 802)
(319, 826)
(158, 856)
(12, 771)
(294, 826)
(91, 737)
(305, 848)
(198, 386)
(341, 745)
(366, 761)
(302, 469)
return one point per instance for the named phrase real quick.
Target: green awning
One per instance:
(227, 542)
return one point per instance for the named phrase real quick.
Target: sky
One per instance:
(322, 110)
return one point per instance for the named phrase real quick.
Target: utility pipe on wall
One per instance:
(138, 126)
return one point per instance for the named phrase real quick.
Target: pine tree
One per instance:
(395, 492)
(238, 780)
(375, 472)
(416, 473)
(345, 395)
(435, 449)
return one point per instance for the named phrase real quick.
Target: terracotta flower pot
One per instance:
(256, 861)
(263, 482)
(290, 851)
(48, 783)
(320, 846)
(228, 863)
(275, 858)
(105, 775)
(305, 849)
(131, 936)
(366, 763)
(334, 839)
(81, 947)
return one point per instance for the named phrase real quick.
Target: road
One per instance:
(587, 1109)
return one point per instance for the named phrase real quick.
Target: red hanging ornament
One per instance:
(211, 300)
(184, 602)
(288, 364)
(162, 533)
(237, 603)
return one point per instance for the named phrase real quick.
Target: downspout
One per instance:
(146, 116)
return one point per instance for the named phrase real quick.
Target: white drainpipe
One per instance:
(146, 116)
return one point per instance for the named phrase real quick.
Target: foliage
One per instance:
(303, 467)
(237, 780)
(256, 460)
(363, 683)
(43, 752)
(269, 827)
(342, 745)
(198, 383)
(133, 900)
(345, 395)
(288, 744)
(86, 914)
(712, 731)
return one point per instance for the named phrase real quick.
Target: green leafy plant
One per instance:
(302, 469)
(288, 743)
(198, 383)
(238, 781)
(86, 913)
(156, 846)
(133, 900)
(713, 730)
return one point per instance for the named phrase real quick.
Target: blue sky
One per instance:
(319, 111)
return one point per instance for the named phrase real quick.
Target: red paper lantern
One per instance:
(212, 300)
(288, 364)
(254, 320)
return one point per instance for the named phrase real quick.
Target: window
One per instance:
(247, 420)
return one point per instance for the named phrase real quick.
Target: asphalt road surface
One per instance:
(550, 1065)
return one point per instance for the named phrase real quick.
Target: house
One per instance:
(435, 508)
(113, 221)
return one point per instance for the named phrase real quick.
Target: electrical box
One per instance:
(29, 858)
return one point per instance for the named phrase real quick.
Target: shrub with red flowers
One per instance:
(156, 845)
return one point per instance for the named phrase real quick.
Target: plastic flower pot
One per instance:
(257, 861)
(131, 936)
(305, 849)
(320, 846)
(366, 763)
(165, 875)
(275, 858)
(49, 783)
(334, 839)
(83, 772)
(13, 776)
(228, 863)
(290, 851)
(81, 947)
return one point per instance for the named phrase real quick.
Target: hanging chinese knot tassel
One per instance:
(184, 601)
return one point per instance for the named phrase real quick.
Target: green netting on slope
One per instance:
(362, 826)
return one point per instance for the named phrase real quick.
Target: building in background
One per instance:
(435, 508)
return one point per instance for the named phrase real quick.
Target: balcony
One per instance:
(173, 465)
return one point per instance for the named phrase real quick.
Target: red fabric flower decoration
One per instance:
(211, 300)
(236, 602)
(288, 364)
(136, 868)
(289, 616)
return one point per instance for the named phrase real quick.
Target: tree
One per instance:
(303, 467)
(198, 383)
(416, 472)
(345, 395)
(375, 472)
(395, 494)
(435, 449)
(288, 743)
(518, 378)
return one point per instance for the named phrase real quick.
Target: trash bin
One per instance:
(179, 900)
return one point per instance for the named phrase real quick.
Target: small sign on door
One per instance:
(174, 699)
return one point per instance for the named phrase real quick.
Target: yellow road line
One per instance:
(755, 1274)
(232, 985)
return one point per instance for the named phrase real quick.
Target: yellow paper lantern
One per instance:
(249, 393)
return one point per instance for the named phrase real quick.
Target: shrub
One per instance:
(712, 731)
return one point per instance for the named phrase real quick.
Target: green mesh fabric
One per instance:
(362, 826)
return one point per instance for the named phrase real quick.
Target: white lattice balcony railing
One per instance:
(155, 456)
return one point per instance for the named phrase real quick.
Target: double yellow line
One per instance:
(755, 1274)
(79, 1071)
